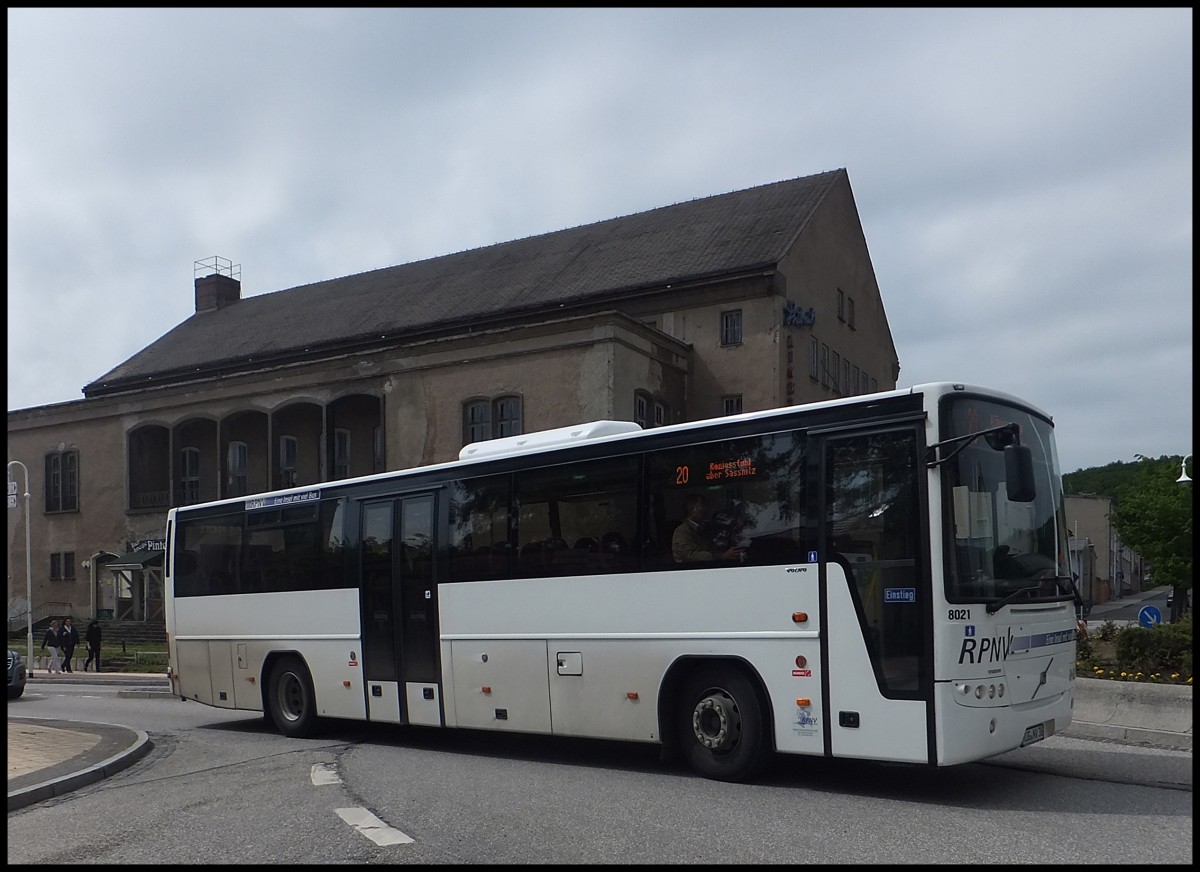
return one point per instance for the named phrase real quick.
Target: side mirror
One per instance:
(1018, 473)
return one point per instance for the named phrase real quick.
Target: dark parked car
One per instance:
(16, 674)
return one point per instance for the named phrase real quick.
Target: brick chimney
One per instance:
(222, 286)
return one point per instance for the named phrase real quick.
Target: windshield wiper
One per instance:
(996, 606)
(992, 608)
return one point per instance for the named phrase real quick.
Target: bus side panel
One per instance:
(591, 683)
(601, 638)
(247, 695)
(501, 685)
(609, 689)
(383, 701)
(194, 676)
(799, 706)
(220, 665)
(222, 644)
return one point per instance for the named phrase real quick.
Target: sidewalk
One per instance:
(49, 757)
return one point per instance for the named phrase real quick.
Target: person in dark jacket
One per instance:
(92, 637)
(51, 641)
(68, 638)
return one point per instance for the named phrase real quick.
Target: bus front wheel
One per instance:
(290, 697)
(721, 728)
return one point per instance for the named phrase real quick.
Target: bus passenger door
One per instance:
(417, 558)
(400, 626)
(876, 596)
(380, 627)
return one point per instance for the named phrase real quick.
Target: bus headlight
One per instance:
(979, 691)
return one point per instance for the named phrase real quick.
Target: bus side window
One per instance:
(531, 561)
(615, 548)
(771, 551)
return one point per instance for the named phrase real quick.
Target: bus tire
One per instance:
(291, 702)
(720, 728)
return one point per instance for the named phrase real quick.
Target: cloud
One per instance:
(1023, 176)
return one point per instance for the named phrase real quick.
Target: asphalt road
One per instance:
(220, 787)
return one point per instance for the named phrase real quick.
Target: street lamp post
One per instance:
(28, 566)
(1183, 476)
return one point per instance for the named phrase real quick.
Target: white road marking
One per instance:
(325, 773)
(372, 827)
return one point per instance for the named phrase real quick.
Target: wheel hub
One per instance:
(715, 722)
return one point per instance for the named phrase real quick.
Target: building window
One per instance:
(237, 469)
(841, 304)
(874, 385)
(641, 409)
(62, 566)
(508, 416)
(62, 481)
(814, 363)
(189, 480)
(855, 383)
(477, 421)
(863, 386)
(649, 412)
(824, 365)
(850, 312)
(377, 459)
(288, 447)
(834, 368)
(491, 419)
(732, 404)
(731, 327)
(341, 453)
(847, 385)
(660, 413)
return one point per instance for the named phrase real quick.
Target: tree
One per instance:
(1152, 514)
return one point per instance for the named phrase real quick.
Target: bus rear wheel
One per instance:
(290, 698)
(720, 725)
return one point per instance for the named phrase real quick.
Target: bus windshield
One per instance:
(1003, 550)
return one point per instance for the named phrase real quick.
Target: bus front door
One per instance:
(877, 622)
(400, 625)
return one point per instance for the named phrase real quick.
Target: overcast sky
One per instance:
(1023, 176)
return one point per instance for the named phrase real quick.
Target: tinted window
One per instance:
(751, 489)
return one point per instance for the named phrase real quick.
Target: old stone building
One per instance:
(736, 302)
(1106, 568)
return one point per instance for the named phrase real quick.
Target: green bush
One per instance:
(1161, 654)
(1107, 632)
(1162, 649)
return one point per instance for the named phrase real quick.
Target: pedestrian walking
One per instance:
(68, 639)
(51, 641)
(92, 637)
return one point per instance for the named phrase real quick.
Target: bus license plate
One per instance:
(1033, 734)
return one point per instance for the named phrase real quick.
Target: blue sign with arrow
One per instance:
(1149, 616)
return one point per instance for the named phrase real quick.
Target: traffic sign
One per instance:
(12, 501)
(12, 488)
(1149, 616)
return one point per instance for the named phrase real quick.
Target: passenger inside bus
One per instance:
(691, 541)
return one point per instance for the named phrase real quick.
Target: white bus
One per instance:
(881, 577)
